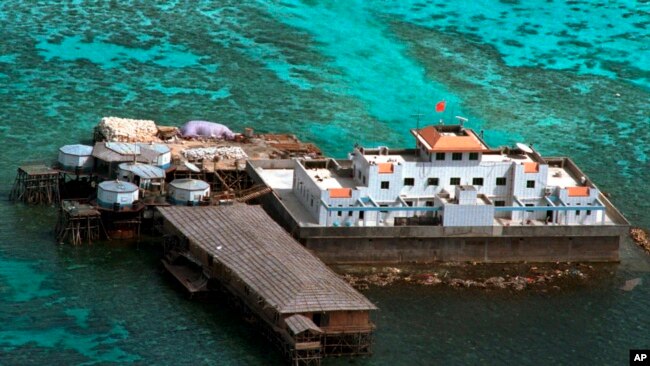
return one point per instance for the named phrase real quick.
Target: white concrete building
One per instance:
(451, 178)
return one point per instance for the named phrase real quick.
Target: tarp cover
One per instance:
(206, 129)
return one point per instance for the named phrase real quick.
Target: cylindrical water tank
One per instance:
(76, 157)
(182, 191)
(114, 192)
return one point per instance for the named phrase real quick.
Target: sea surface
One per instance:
(570, 77)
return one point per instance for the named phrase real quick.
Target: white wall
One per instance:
(468, 215)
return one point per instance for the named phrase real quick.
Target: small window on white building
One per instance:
(501, 181)
(530, 205)
(530, 184)
(454, 181)
(429, 203)
(361, 214)
(433, 181)
(385, 185)
(409, 181)
(473, 156)
(457, 156)
(440, 156)
(477, 181)
(409, 203)
(499, 203)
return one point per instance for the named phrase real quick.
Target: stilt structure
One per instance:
(78, 223)
(301, 305)
(36, 184)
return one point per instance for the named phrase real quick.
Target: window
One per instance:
(530, 205)
(433, 181)
(409, 203)
(429, 204)
(499, 203)
(361, 215)
(501, 181)
(530, 184)
(440, 156)
(477, 181)
(457, 156)
(339, 212)
(383, 206)
(312, 202)
(385, 185)
(349, 213)
(454, 181)
(588, 211)
(364, 179)
(577, 211)
(409, 181)
(358, 174)
(473, 156)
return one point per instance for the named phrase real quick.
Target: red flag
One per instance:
(440, 106)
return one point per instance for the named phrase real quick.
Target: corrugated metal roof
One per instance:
(159, 148)
(77, 149)
(266, 258)
(101, 152)
(189, 184)
(143, 170)
(117, 186)
(124, 148)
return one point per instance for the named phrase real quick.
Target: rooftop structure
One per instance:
(451, 177)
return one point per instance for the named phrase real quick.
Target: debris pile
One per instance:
(114, 129)
(640, 237)
(214, 153)
(535, 277)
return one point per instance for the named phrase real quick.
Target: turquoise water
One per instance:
(571, 77)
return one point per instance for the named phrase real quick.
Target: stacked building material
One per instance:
(212, 153)
(127, 130)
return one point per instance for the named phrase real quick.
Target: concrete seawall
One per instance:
(426, 244)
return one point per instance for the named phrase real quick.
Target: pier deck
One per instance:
(275, 278)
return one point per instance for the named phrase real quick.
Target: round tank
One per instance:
(115, 193)
(76, 157)
(182, 191)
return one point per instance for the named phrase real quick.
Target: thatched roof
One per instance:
(265, 257)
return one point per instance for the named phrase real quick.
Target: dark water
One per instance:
(571, 77)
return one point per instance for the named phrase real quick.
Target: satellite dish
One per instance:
(192, 167)
(524, 148)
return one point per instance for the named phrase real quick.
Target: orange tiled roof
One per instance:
(385, 168)
(340, 192)
(531, 168)
(578, 191)
(442, 143)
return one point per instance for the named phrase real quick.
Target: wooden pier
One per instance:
(304, 308)
(36, 184)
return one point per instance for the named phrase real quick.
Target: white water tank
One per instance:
(114, 192)
(73, 157)
(182, 191)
